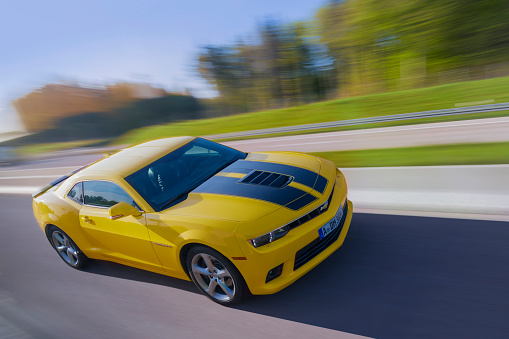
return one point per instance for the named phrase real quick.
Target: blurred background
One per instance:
(90, 73)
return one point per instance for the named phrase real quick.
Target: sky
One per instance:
(105, 41)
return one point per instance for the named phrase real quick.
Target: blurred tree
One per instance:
(354, 47)
(271, 48)
(282, 66)
(64, 112)
(140, 113)
(41, 108)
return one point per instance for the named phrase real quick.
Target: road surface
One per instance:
(455, 132)
(395, 277)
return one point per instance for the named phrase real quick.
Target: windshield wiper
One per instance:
(175, 200)
(178, 198)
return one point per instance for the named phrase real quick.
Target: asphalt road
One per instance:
(454, 132)
(395, 277)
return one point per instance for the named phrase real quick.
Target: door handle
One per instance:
(87, 219)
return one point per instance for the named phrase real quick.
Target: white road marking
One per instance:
(18, 189)
(69, 168)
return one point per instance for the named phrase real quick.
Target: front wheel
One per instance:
(66, 248)
(215, 276)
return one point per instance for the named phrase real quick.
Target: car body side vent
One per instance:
(265, 178)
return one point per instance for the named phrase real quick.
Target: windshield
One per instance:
(170, 178)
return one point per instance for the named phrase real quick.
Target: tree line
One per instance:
(65, 112)
(353, 47)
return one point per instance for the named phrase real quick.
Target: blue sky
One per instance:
(98, 41)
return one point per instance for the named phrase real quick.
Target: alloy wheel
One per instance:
(65, 248)
(213, 277)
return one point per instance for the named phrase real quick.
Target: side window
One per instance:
(105, 194)
(76, 193)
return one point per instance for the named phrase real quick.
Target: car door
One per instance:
(125, 239)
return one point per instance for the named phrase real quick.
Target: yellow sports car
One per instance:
(235, 223)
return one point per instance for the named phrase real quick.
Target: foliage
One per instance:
(283, 67)
(41, 108)
(109, 124)
(355, 47)
(388, 45)
(140, 113)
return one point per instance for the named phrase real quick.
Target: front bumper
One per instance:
(285, 251)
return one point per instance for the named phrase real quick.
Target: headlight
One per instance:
(270, 237)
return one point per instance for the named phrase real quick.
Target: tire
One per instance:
(67, 250)
(215, 276)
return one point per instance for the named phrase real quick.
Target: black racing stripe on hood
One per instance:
(231, 186)
(301, 202)
(321, 184)
(301, 175)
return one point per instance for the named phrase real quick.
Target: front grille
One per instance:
(311, 250)
(265, 178)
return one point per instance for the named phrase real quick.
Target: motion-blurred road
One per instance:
(395, 277)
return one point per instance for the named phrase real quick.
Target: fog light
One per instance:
(274, 273)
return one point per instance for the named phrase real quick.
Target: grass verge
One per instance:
(441, 155)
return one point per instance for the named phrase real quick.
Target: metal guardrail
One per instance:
(370, 120)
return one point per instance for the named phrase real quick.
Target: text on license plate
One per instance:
(332, 224)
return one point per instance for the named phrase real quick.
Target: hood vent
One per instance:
(264, 178)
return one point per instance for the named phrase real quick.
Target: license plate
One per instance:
(332, 224)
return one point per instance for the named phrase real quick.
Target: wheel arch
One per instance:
(184, 250)
(226, 244)
(76, 235)
(46, 230)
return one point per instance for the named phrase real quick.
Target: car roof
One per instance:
(131, 159)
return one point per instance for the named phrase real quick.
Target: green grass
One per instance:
(424, 99)
(462, 154)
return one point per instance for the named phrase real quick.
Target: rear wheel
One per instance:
(68, 251)
(215, 276)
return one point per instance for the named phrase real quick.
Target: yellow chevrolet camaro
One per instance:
(235, 223)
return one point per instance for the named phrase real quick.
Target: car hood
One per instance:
(239, 193)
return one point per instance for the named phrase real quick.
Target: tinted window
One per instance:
(104, 194)
(198, 150)
(76, 193)
(171, 177)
